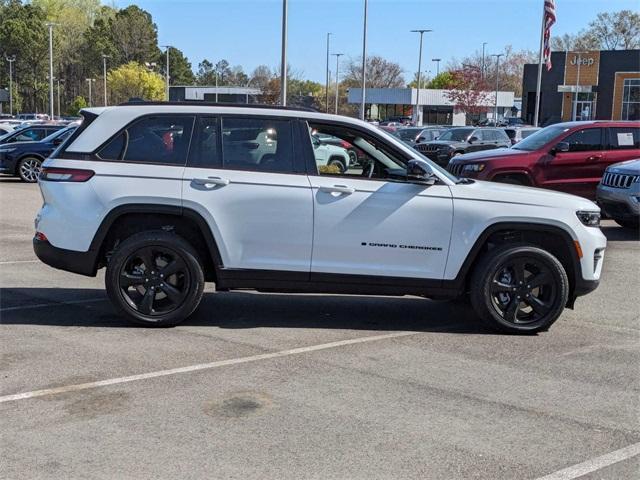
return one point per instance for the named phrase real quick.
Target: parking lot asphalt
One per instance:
(309, 386)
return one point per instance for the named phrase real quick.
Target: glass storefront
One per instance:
(437, 115)
(631, 99)
(583, 106)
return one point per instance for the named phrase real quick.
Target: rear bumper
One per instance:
(68, 260)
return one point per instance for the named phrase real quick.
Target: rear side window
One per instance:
(205, 145)
(162, 139)
(624, 138)
(585, 140)
(30, 135)
(257, 144)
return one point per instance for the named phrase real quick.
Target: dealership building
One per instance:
(591, 85)
(435, 106)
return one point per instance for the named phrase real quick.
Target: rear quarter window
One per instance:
(624, 138)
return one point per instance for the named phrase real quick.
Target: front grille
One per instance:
(455, 168)
(618, 180)
(426, 148)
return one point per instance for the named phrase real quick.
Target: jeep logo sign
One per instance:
(582, 61)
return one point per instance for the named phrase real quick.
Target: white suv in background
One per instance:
(168, 196)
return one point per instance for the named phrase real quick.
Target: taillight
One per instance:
(54, 174)
(345, 144)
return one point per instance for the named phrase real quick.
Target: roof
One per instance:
(592, 122)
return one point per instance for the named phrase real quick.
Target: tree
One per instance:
(381, 73)
(206, 74)
(442, 81)
(133, 80)
(222, 71)
(179, 68)
(617, 30)
(77, 104)
(470, 93)
(135, 36)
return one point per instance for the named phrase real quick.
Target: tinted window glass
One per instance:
(204, 148)
(540, 138)
(33, 134)
(456, 134)
(585, 140)
(259, 144)
(511, 133)
(481, 135)
(161, 139)
(624, 138)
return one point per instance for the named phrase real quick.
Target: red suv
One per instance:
(570, 157)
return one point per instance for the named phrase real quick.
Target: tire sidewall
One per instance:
(21, 162)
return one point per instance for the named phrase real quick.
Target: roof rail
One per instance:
(195, 103)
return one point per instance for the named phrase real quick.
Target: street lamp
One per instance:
(10, 59)
(495, 114)
(364, 61)
(90, 81)
(283, 64)
(417, 114)
(104, 74)
(484, 44)
(166, 71)
(50, 25)
(337, 55)
(327, 85)
(437, 60)
(59, 80)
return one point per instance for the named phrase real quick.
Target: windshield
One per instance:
(456, 134)
(540, 138)
(407, 133)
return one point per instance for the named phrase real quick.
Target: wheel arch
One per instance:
(512, 173)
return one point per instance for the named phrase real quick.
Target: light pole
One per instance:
(495, 114)
(484, 44)
(166, 71)
(417, 114)
(437, 60)
(50, 25)
(104, 74)
(283, 64)
(337, 55)
(575, 103)
(247, 87)
(327, 85)
(90, 81)
(10, 59)
(364, 61)
(59, 111)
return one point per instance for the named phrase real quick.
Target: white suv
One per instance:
(168, 196)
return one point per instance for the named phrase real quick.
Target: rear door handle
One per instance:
(210, 182)
(338, 189)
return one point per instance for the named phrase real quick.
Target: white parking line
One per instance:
(201, 366)
(9, 262)
(51, 304)
(594, 464)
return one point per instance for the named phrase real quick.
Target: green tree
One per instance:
(133, 80)
(206, 74)
(442, 81)
(76, 105)
(134, 36)
(179, 68)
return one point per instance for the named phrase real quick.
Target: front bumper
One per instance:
(7, 164)
(83, 263)
(619, 202)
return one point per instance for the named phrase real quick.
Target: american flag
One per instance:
(548, 20)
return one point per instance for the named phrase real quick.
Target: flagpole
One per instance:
(540, 61)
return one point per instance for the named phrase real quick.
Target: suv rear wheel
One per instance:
(519, 289)
(155, 278)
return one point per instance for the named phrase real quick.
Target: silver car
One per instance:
(619, 193)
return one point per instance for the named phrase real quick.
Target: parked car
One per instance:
(164, 217)
(399, 119)
(32, 116)
(456, 141)
(24, 159)
(355, 155)
(330, 155)
(6, 128)
(512, 122)
(29, 133)
(570, 157)
(414, 135)
(618, 193)
(516, 134)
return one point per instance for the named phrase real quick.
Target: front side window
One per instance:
(631, 99)
(585, 140)
(162, 139)
(257, 144)
(624, 138)
(31, 135)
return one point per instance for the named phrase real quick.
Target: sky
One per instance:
(248, 32)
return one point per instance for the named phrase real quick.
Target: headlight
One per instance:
(7, 150)
(473, 167)
(590, 219)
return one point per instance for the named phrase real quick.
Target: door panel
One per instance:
(369, 227)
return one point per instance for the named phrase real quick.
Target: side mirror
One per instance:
(421, 139)
(560, 147)
(473, 139)
(57, 141)
(418, 171)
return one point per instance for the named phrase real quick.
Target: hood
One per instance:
(503, 192)
(488, 155)
(630, 166)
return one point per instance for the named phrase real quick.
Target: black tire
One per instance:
(353, 158)
(519, 289)
(139, 289)
(338, 162)
(630, 223)
(29, 169)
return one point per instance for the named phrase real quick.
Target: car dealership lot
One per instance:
(307, 386)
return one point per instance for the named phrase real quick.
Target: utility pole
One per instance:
(437, 60)
(327, 85)
(283, 64)
(10, 59)
(166, 70)
(337, 55)
(104, 74)
(50, 25)
(495, 114)
(59, 111)
(364, 62)
(484, 44)
(417, 115)
(90, 81)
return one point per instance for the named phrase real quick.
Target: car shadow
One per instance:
(244, 310)
(4, 178)
(619, 234)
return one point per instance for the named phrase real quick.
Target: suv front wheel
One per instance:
(519, 289)
(155, 278)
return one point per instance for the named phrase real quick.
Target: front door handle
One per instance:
(594, 158)
(338, 189)
(209, 182)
